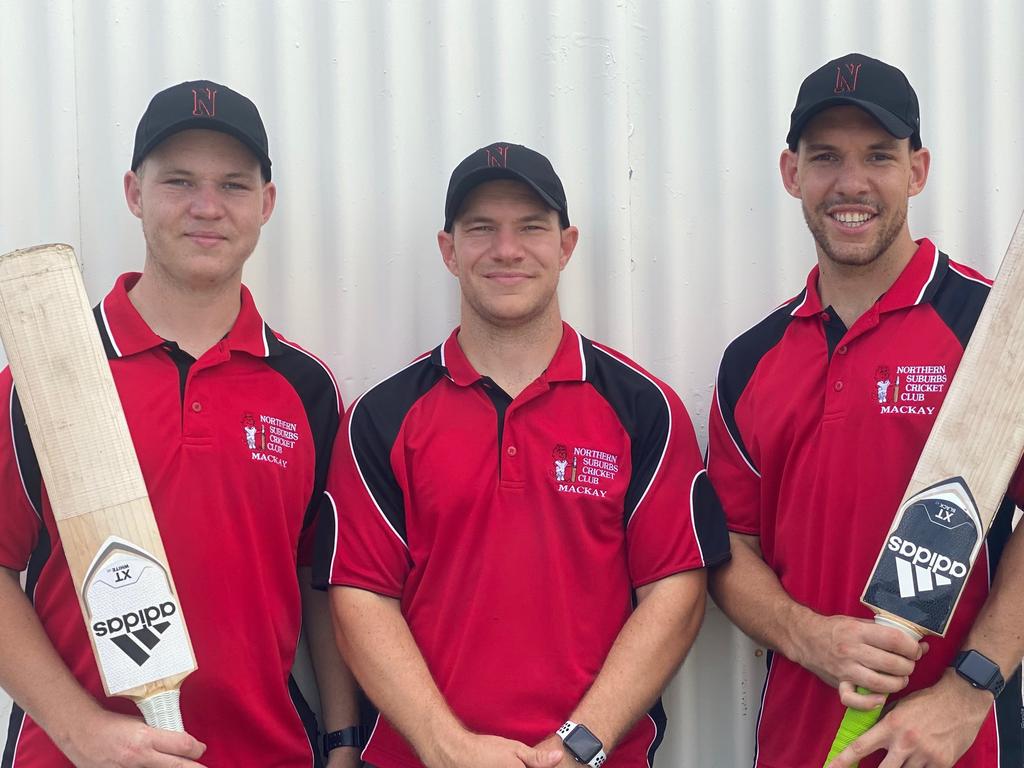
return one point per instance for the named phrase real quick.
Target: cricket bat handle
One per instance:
(162, 710)
(857, 722)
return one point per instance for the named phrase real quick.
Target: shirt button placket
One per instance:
(511, 465)
(838, 374)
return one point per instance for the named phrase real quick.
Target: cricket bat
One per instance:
(959, 481)
(87, 460)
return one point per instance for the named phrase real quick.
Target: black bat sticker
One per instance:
(922, 570)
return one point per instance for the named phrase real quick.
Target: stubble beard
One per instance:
(535, 314)
(854, 255)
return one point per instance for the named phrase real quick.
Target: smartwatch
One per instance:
(346, 737)
(584, 746)
(979, 671)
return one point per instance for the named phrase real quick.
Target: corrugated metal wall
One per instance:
(665, 120)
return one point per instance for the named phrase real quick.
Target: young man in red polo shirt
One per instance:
(522, 517)
(233, 426)
(820, 415)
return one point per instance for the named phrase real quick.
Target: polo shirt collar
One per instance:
(568, 364)
(916, 284)
(126, 333)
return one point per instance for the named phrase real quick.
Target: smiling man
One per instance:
(522, 519)
(821, 411)
(233, 426)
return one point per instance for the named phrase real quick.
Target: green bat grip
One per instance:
(856, 722)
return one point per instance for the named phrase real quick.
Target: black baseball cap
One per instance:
(201, 104)
(502, 160)
(878, 88)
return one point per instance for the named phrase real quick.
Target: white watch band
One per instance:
(566, 729)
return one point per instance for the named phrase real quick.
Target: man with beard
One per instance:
(820, 414)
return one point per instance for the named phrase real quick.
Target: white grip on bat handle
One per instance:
(885, 621)
(162, 710)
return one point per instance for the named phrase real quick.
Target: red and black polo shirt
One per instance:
(515, 531)
(234, 448)
(815, 432)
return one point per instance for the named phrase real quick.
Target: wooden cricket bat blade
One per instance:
(964, 469)
(96, 490)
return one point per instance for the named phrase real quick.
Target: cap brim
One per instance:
(206, 124)
(887, 119)
(475, 178)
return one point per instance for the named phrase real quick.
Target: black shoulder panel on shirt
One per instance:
(274, 345)
(32, 479)
(709, 522)
(315, 388)
(643, 410)
(323, 543)
(376, 420)
(108, 345)
(741, 359)
(958, 301)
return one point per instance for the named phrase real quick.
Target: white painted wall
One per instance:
(664, 119)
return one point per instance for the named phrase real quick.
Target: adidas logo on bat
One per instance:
(920, 569)
(140, 631)
(905, 573)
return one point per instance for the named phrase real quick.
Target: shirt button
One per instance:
(197, 406)
(511, 450)
(838, 386)
(825, 317)
(842, 350)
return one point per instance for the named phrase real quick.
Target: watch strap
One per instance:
(568, 727)
(346, 737)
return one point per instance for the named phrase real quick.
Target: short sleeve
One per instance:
(361, 535)
(730, 468)
(677, 522)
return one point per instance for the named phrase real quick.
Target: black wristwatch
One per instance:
(346, 737)
(979, 671)
(584, 746)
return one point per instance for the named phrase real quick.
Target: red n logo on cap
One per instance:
(204, 102)
(847, 83)
(497, 156)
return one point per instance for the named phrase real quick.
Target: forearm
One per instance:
(380, 650)
(751, 595)
(646, 654)
(32, 672)
(338, 700)
(998, 631)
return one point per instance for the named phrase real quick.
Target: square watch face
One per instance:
(583, 744)
(977, 668)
